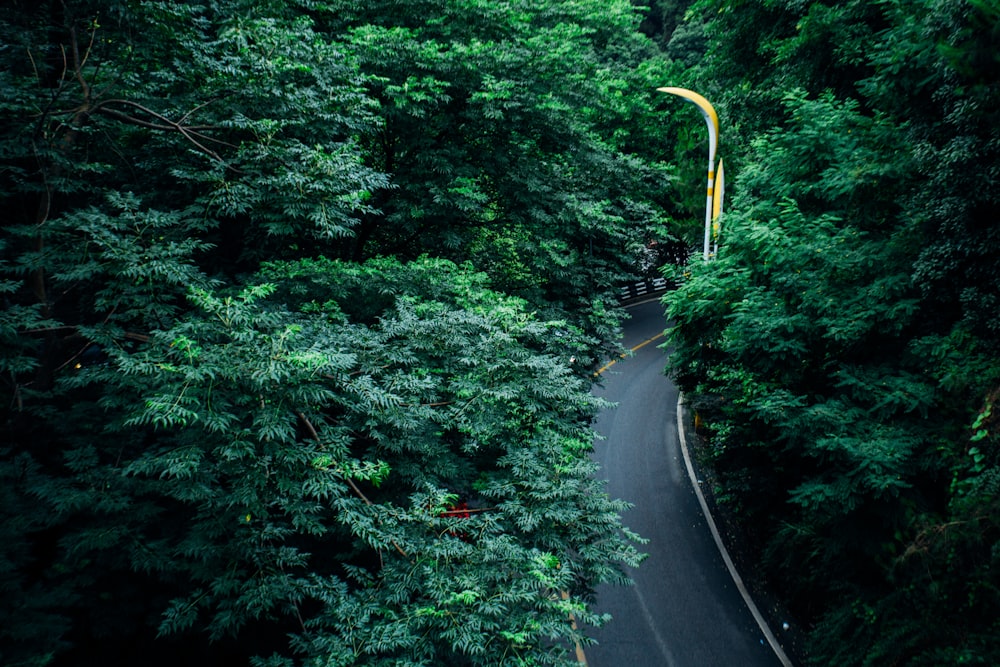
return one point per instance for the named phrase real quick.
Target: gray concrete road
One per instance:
(685, 610)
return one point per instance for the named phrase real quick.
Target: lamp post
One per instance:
(713, 203)
(717, 195)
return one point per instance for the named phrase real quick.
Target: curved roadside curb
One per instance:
(744, 593)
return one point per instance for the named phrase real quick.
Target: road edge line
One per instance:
(761, 622)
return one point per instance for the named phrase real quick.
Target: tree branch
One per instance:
(350, 482)
(165, 125)
(78, 64)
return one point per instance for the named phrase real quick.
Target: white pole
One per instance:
(712, 120)
(717, 196)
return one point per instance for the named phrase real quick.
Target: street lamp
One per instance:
(713, 203)
(717, 195)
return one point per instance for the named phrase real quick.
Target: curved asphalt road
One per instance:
(684, 610)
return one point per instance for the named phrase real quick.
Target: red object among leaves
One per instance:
(459, 510)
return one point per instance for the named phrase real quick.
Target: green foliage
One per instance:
(286, 284)
(840, 346)
(510, 134)
(310, 458)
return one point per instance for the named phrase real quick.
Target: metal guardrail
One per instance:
(643, 289)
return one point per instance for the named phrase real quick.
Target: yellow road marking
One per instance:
(581, 657)
(631, 349)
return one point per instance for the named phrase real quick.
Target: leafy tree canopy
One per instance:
(844, 345)
(292, 292)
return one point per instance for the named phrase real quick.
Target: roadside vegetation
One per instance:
(844, 347)
(302, 302)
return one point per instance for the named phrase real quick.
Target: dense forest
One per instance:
(302, 301)
(844, 345)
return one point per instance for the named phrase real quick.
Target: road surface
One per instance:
(685, 610)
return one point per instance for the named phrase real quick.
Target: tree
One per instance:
(314, 438)
(848, 384)
(502, 132)
(219, 423)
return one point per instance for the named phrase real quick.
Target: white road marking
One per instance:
(761, 622)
